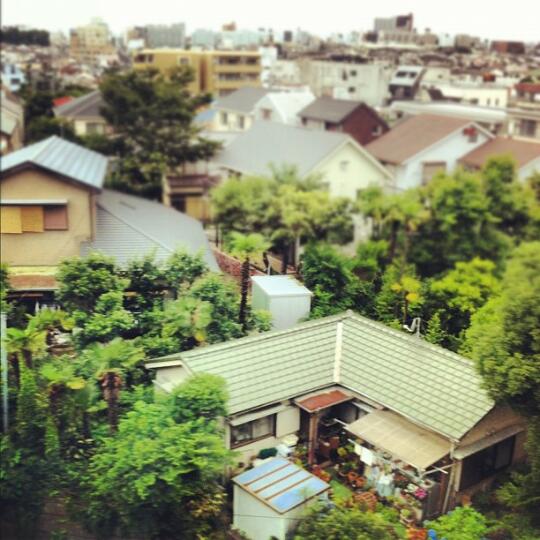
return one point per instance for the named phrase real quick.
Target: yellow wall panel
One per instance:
(10, 219)
(32, 218)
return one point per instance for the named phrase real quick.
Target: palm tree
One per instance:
(51, 321)
(23, 345)
(112, 363)
(61, 379)
(246, 247)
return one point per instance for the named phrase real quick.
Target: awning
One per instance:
(406, 441)
(468, 450)
(322, 401)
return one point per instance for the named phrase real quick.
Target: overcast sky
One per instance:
(494, 19)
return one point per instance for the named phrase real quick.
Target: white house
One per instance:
(344, 165)
(283, 106)
(420, 146)
(235, 111)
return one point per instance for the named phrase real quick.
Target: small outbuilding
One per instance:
(269, 499)
(284, 297)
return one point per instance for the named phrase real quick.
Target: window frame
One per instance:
(271, 433)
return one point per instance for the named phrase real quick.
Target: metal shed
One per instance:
(269, 499)
(285, 298)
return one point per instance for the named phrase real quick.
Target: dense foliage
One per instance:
(152, 118)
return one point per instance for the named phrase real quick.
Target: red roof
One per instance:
(62, 100)
(323, 401)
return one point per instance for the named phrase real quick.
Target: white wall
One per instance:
(233, 121)
(449, 150)
(529, 169)
(486, 96)
(359, 173)
(254, 518)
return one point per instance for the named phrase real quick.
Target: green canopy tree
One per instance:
(159, 478)
(338, 523)
(153, 116)
(504, 339)
(246, 247)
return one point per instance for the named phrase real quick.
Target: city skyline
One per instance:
(460, 17)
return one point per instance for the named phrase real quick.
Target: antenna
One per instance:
(415, 326)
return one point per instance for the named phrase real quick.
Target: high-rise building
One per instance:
(163, 35)
(87, 43)
(391, 24)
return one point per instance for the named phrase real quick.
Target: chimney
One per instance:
(287, 300)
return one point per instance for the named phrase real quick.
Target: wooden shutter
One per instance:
(56, 218)
(32, 218)
(10, 219)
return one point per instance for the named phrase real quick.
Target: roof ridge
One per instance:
(263, 336)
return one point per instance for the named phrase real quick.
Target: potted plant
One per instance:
(406, 517)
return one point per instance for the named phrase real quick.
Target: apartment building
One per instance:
(87, 43)
(216, 72)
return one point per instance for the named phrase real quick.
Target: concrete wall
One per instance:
(47, 248)
(449, 150)
(358, 173)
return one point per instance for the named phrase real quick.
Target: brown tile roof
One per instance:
(412, 136)
(522, 151)
(323, 401)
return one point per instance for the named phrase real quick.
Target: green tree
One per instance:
(463, 523)
(338, 523)
(153, 115)
(158, 478)
(246, 247)
(83, 280)
(4, 288)
(182, 269)
(504, 339)
(457, 295)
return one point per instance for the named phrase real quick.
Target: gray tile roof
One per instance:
(85, 106)
(63, 157)
(427, 384)
(329, 109)
(241, 100)
(128, 227)
(270, 143)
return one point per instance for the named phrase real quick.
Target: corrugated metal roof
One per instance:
(128, 227)
(241, 100)
(85, 106)
(427, 384)
(63, 157)
(281, 485)
(329, 109)
(271, 143)
(412, 136)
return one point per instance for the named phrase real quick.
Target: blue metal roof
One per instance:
(281, 484)
(63, 157)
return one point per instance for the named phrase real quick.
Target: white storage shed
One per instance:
(284, 297)
(269, 499)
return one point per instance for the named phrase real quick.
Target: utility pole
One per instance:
(4, 370)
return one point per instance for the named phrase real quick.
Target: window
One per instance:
(376, 130)
(429, 169)
(33, 218)
(343, 165)
(241, 122)
(527, 128)
(252, 431)
(94, 127)
(351, 89)
(183, 61)
(224, 118)
(487, 462)
(352, 73)
(266, 113)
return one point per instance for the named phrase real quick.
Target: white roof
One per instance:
(281, 286)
